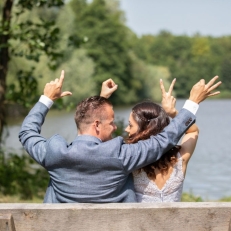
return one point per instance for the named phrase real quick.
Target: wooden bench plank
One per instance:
(180, 216)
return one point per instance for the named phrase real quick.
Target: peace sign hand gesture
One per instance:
(168, 101)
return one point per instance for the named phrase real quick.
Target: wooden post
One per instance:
(6, 222)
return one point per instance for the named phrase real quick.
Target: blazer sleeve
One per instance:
(143, 153)
(29, 135)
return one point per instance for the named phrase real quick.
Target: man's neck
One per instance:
(88, 133)
(85, 134)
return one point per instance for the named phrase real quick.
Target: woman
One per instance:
(163, 180)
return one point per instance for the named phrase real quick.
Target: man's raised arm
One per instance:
(138, 155)
(29, 134)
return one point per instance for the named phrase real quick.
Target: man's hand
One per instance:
(108, 87)
(168, 101)
(53, 90)
(200, 91)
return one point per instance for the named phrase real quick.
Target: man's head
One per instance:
(95, 116)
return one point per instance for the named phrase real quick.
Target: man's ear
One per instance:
(97, 125)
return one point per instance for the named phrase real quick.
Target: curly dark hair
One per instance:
(90, 109)
(152, 119)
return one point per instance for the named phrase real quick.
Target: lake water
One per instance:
(209, 170)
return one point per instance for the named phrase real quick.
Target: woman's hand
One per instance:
(168, 101)
(108, 87)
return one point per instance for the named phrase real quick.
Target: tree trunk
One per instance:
(4, 59)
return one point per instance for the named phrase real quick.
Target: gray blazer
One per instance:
(89, 170)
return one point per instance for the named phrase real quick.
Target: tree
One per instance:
(148, 77)
(226, 72)
(106, 41)
(79, 70)
(34, 39)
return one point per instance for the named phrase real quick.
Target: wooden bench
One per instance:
(179, 216)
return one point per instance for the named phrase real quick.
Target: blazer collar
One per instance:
(88, 138)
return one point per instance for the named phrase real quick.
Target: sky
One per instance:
(180, 17)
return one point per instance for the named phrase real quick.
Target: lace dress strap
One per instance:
(179, 165)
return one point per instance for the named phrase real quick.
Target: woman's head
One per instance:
(146, 119)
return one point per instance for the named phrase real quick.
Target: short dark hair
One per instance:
(90, 109)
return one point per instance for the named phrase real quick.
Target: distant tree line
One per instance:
(189, 59)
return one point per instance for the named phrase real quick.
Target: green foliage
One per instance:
(79, 70)
(29, 4)
(120, 131)
(108, 46)
(111, 50)
(35, 39)
(102, 50)
(188, 59)
(26, 94)
(189, 197)
(20, 175)
(96, 45)
(225, 199)
(226, 72)
(29, 38)
(147, 77)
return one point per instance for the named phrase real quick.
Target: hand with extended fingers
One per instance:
(200, 91)
(108, 87)
(53, 90)
(168, 101)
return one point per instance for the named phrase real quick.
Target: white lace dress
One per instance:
(147, 190)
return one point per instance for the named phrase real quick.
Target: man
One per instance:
(95, 168)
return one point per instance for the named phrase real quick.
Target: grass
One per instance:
(18, 199)
(186, 197)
